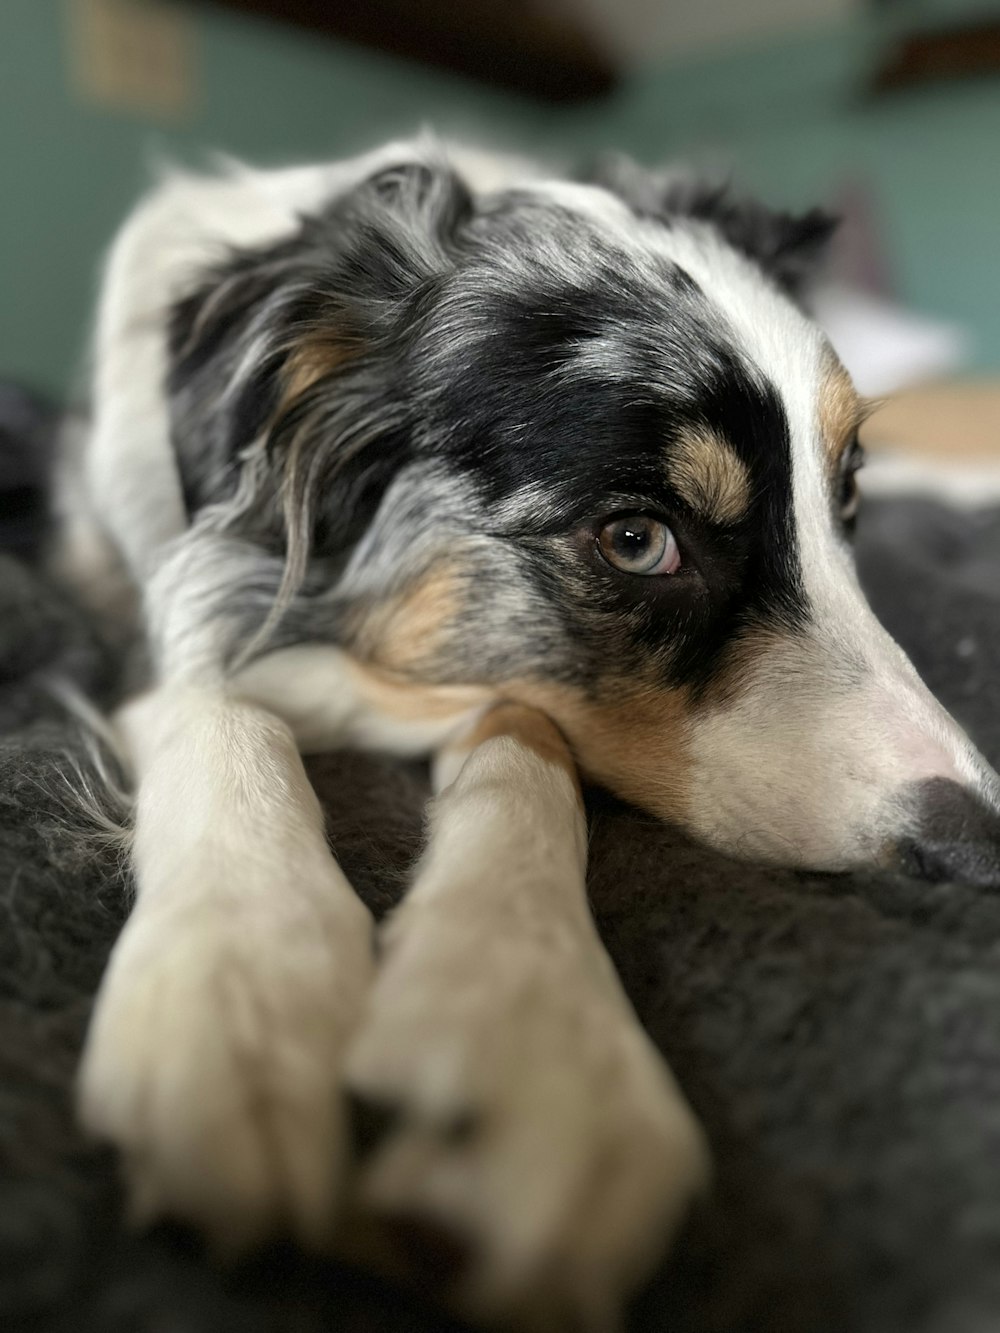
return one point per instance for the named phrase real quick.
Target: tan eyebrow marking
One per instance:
(842, 411)
(708, 475)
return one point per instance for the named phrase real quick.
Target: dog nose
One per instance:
(956, 836)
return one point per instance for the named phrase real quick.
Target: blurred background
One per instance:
(886, 110)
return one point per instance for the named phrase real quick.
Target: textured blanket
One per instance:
(838, 1036)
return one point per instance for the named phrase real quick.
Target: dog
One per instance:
(550, 481)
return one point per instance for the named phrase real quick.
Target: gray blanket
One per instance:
(839, 1037)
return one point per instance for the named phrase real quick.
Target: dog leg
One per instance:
(213, 1059)
(523, 1112)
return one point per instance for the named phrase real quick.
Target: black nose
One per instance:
(956, 836)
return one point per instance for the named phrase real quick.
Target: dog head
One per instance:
(579, 443)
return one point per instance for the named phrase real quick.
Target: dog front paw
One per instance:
(213, 1063)
(520, 1133)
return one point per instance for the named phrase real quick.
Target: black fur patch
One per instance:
(788, 247)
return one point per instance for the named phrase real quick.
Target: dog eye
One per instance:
(849, 496)
(638, 544)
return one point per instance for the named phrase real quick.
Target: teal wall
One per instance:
(71, 168)
(790, 118)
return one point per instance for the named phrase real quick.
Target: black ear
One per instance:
(344, 269)
(265, 325)
(395, 229)
(789, 248)
(428, 194)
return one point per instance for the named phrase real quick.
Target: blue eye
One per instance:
(638, 544)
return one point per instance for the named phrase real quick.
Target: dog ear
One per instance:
(265, 329)
(397, 229)
(344, 268)
(284, 368)
(788, 247)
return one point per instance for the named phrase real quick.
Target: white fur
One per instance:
(213, 1056)
(846, 739)
(217, 1048)
(496, 1002)
(329, 703)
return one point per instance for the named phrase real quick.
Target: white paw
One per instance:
(214, 1056)
(524, 1116)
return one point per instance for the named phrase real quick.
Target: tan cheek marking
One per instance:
(709, 476)
(635, 742)
(406, 632)
(530, 728)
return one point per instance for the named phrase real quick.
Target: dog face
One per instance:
(579, 444)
